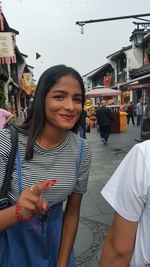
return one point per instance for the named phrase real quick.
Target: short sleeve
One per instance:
(82, 179)
(5, 148)
(127, 189)
(6, 113)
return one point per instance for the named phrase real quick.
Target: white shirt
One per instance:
(138, 109)
(128, 192)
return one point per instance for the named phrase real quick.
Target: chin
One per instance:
(68, 126)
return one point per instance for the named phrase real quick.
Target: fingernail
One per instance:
(50, 183)
(53, 181)
(47, 184)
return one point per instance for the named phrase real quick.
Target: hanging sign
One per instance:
(6, 45)
(27, 83)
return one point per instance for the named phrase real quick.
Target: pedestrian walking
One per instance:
(128, 192)
(5, 117)
(83, 124)
(52, 166)
(104, 119)
(138, 112)
(130, 113)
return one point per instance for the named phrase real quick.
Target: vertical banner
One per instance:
(27, 83)
(6, 48)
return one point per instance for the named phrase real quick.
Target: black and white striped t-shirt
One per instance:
(57, 163)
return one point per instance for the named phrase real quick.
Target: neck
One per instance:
(50, 138)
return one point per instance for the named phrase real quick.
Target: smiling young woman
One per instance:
(50, 173)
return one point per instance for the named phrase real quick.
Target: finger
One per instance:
(35, 198)
(27, 206)
(39, 187)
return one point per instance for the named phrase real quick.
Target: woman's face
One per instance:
(63, 103)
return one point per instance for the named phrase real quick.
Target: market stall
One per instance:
(102, 92)
(119, 124)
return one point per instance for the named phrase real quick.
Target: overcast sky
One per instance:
(49, 28)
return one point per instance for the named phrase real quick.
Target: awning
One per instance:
(136, 80)
(102, 92)
(138, 86)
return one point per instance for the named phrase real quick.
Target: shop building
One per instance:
(14, 70)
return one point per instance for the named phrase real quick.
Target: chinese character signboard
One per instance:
(6, 47)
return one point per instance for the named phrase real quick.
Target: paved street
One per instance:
(96, 214)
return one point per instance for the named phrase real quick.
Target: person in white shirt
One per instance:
(128, 192)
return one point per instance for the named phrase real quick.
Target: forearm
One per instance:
(111, 257)
(7, 218)
(69, 231)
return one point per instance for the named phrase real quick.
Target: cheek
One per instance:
(79, 108)
(51, 106)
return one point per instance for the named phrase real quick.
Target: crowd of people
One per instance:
(134, 111)
(52, 168)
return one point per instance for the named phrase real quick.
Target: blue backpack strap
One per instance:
(82, 144)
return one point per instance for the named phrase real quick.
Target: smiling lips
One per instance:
(68, 117)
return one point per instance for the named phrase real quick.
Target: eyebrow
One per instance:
(65, 93)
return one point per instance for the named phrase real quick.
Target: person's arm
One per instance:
(119, 244)
(69, 229)
(8, 119)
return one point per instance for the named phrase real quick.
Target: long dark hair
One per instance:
(35, 120)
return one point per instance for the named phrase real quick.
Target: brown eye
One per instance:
(78, 100)
(58, 97)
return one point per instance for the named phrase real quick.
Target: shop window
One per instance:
(121, 63)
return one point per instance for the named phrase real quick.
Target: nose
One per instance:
(69, 105)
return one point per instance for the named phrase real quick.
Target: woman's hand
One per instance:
(31, 202)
